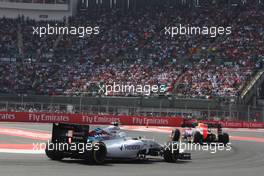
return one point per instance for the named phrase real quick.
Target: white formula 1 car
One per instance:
(108, 144)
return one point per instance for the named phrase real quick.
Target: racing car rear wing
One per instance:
(209, 125)
(61, 132)
(217, 126)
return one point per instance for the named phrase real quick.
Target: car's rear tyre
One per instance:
(52, 153)
(223, 138)
(197, 138)
(211, 138)
(175, 135)
(170, 155)
(97, 155)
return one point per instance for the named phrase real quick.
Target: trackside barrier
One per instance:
(39, 117)
(231, 124)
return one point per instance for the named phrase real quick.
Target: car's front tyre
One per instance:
(171, 152)
(198, 138)
(97, 155)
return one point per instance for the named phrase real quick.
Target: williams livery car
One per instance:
(204, 133)
(106, 144)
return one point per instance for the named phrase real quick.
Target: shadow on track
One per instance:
(123, 161)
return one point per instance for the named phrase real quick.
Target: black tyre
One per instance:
(197, 138)
(211, 138)
(223, 138)
(169, 155)
(97, 155)
(175, 135)
(52, 153)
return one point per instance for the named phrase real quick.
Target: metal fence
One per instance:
(228, 112)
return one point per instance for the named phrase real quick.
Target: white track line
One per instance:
(22, 151)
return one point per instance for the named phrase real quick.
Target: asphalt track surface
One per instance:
(245, 158)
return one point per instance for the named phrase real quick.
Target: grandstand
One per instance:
(204, 76)
(38, 9)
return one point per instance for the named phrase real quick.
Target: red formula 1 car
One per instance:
(204, 133)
